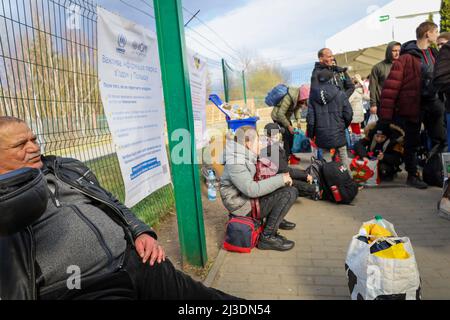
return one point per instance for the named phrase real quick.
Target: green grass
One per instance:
(150, 210)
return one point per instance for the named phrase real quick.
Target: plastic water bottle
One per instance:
(211, 183)
(379, 221)
(317, 194)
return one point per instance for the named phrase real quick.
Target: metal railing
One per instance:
(49, 77)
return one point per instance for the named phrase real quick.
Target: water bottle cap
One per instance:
(378, 218)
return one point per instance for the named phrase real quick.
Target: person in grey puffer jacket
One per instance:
(329, 114)
(238, 187)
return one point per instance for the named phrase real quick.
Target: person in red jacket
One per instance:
(408, 98)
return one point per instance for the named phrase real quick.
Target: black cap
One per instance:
(383, 128)
(273, 128)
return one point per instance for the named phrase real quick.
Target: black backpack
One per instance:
(339, 186)
(433, 171)
(330, 175)
(315, 170)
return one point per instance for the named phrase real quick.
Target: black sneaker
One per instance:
(416, 182)
(280, 236)
(286, 225)
(274, 243)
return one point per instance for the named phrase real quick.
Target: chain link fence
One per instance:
(49, 77)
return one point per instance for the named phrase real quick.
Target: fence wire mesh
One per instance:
(49, 77)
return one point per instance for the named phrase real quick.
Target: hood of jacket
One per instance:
(398, 134)
(389, 58)
(324, 93)
(319, 66)
(294, 92)
(411, 48)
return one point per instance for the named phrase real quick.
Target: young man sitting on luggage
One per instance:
(385, 143)
(277, 155)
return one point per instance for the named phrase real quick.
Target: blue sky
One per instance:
(289, 32)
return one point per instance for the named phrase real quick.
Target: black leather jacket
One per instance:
(17, 252)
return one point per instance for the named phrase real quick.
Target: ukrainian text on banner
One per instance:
(198, 74)
(131, 92)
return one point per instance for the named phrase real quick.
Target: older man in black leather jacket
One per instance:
(85, 244)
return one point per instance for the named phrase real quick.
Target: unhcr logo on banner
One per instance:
(121, 42)
(140, 48)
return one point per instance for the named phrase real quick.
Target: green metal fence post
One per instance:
(225, 82)
(177, 95)
(244, 86)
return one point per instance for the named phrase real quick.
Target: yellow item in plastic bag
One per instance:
(376, 231)
(379, 232)
(394, 252)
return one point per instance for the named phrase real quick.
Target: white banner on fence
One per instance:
(198, 74)
(131, 91)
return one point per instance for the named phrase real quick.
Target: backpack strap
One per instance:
(256, 209)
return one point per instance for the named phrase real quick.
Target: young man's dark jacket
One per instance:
(442, 74)
(17, 252)
(379, 74)
(329, 114)
(402, 94)
(341, 79)
(392, 148)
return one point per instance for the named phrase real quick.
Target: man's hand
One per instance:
(310, 179)
(380, 156)
(291, 129)
(287, 180)
(149, 249)
(373, 109)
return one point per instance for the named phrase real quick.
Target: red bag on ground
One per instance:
(242, 233)
(365, 172)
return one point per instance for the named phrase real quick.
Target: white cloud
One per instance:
(288, 31)
(273, 29)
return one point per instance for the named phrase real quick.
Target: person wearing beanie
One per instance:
(277, 155)
(305, 91)
(384, 142)
(282, 113)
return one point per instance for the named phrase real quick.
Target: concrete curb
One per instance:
(212, 275)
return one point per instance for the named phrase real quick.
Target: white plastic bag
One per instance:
(444, 203)
(372, 277)
(372, 118)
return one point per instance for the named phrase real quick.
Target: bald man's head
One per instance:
(326, 57)
(18, 146)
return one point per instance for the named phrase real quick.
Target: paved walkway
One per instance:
(314, 269)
